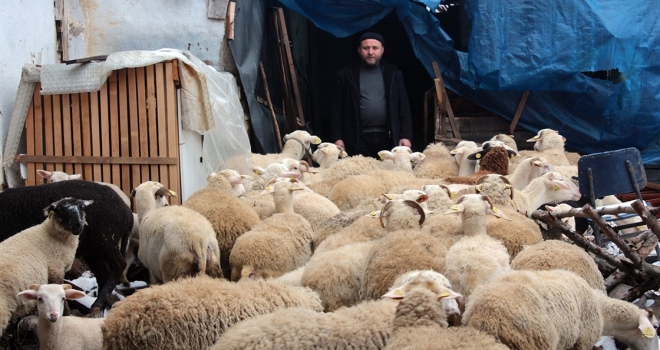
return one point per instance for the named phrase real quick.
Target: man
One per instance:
(370, 109)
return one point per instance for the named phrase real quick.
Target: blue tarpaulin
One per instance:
(542, 47)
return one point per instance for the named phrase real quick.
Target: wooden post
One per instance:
(443, 100)
(516, 117)
(270, 105)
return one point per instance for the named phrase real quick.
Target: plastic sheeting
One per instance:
(542, 47)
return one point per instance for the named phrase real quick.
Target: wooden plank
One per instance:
(39, 111)
(97, 160)
(124, 131)
(217, 9)
(175, 73)
(300, 118)
(57, 129)
(172, 131)
(113, 103)
(66, 131)
(142, 121)
(287, 99)
(76, 129)
(441, 92)
(161, 116)
(229, 21)
(95, 122)
(106, 170)
(151, 109)
(135, 132)
(30, 176)
(519, 110)
(270, 105)
(86, 133)
(48, 130)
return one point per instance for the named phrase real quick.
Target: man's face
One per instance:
(371, 50)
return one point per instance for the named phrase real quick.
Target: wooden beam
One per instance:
(24, 158)
(443, 99)
(229, 22)
(270, 105)
(516, 117)
(286, 43)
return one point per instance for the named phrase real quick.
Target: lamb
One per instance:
(235, 182)
(437, 164)
(42, 253)
(229, 216)
(259, 251)
(554, 254)
(192, 313)
(548, 188)
(531, 298)
(272, 172)
(420, 322)
(327, 154)
(477, 258)
(57, 332)
(365, 325)
(550, 145)
(175, 241)
(402, 158)
(529, 169)
(296, 144)
(494, 160)
(104, 240)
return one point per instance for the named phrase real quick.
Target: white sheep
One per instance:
(272, 172)
(192, 313)
(235, 182)
(366, 325)
(175, 241)
(40, 254)
(297, 143)
(327, 154)
(57, 332)
(402, 158)
(461, 152)
(323, 182)
(529, 169)
(56, 176)
(507, 140)
(477, 258)
(421, 322)
(438, 163)
(548, 188)
(277, 245)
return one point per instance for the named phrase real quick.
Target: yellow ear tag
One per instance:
(257, 172)
(50, 214)
(391, 196)
(452, 195)
(556, 187)
(454, 207)
(373, 213)
(293, 188)
(317, 140)
(397, 292)
(172, 193)
(478, 155)
(443, 295)
(648, 332)
(495, 210)
(268, 188)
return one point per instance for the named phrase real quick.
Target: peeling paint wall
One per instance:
(28, 36)
(100, 27)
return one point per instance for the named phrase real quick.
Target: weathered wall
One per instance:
(28, 36)
(100, 27)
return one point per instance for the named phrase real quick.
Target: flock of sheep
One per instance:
(418, 250)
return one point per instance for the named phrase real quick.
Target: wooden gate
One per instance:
(124, 134)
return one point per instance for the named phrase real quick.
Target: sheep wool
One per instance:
(437, 164)
(537, 310)
(555, 254)
(192, 313)
(521, 231)
(228, 215)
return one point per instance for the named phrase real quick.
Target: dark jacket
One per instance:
(345, 123)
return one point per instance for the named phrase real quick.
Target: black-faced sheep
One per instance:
(103, 241)
(41, 254)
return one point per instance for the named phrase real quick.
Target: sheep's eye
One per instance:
(40, 299)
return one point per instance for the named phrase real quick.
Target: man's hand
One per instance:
(340, 143)
(403, 142)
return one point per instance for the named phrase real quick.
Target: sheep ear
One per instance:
(455, 209)
(456, 151)
(72, 294)
(646, 327)
(448, 294)
(511, 153)
(45, 174)
(324, 150)
(535, 138)
(396, 293)
(476, 156)
(496, 212)
(210, 176)
(28, 294)
(385, 155)
(258, 170)
(343, 154)
(75, 177)
(422, 198)
(315, 140)
(267, 190)
(86, 203)
(417, 157)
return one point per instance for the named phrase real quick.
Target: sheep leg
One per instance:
(224, 263)
(107, 271)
